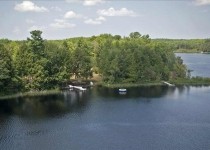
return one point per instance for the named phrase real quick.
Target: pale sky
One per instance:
(60, 19)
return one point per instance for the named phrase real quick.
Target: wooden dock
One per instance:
(77, 87)
(167, 83)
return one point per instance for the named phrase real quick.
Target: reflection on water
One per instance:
(157, 117)
(70, 101)
(148, 92)
(45, 106)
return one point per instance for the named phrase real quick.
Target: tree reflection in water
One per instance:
(77, 101)
(45, 106)
(145, 92)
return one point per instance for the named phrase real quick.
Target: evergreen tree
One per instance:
(6, 69)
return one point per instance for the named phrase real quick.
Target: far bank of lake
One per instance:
(197, 62)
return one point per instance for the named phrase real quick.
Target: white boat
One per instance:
(122, 90)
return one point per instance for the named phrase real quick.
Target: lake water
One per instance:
(145, 118)
(199, 63)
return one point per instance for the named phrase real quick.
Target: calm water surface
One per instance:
(199, 63)
(99, 119)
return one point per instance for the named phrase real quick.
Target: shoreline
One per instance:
(30, 94)
(179, 82)
(130, 85)
(191, 52)
(193, 81)
(154, 84)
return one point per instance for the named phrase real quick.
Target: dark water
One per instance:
(199, 63)
(172, 118)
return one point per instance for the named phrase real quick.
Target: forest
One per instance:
(36, 64)
(187, 45)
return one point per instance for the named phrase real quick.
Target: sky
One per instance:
(61, 19)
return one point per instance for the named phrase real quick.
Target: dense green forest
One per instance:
(38, 64)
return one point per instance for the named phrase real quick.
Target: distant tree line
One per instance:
(186, 45)
(38, 64)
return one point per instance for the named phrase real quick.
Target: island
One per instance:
(35, 64)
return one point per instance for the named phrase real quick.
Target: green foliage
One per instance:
(58, 65)
(180, 70)
(137, 60)
(37, 64)
(185, 45)
(30, 63)
(135, 35)
(36, 43)
(191, 81)
(6, 70)
(81, 61)
(206, 46)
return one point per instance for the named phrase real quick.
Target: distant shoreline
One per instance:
(190, 51)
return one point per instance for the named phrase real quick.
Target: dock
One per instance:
(77, 87)
(167, 83)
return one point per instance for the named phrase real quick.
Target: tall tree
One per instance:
(58, 65)
(36, 43)
(81, 64)
(135, 35)
(37, 73)
(6, 69)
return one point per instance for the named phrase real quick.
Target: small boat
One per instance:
(122, 90)
(91, 83)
